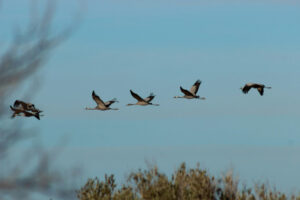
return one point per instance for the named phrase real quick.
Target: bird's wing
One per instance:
(108, 103)
(260, 90)
(97, 99)
(195, 87)
(30, 114)
(17, 103)
(37, 116)
(136, 96)
(20, 104)
(149, 98)
(18, 110)
(186, 92)
(25, 106)
(12, 108)
(246, 89)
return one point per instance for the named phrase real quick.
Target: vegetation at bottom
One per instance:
(185, 184)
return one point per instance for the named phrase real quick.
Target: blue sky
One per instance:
(156, 46)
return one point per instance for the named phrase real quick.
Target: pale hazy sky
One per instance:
(156, 46)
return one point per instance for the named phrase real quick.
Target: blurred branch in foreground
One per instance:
(33, 173)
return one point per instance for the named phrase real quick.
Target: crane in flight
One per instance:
(259, 87)
(192, 93)
(142, 102)
(101, 105)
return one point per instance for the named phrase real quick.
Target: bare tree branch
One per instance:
(30, 49)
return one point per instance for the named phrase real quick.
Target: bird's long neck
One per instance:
(178, 97)
(114, 109)
(90, 108)
(130, 104)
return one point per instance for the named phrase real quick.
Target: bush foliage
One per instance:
(185, 184)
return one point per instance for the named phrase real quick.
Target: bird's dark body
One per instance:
(25, 106)
(259, 87)
(20, 112)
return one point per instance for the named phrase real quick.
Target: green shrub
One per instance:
(185, 184)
